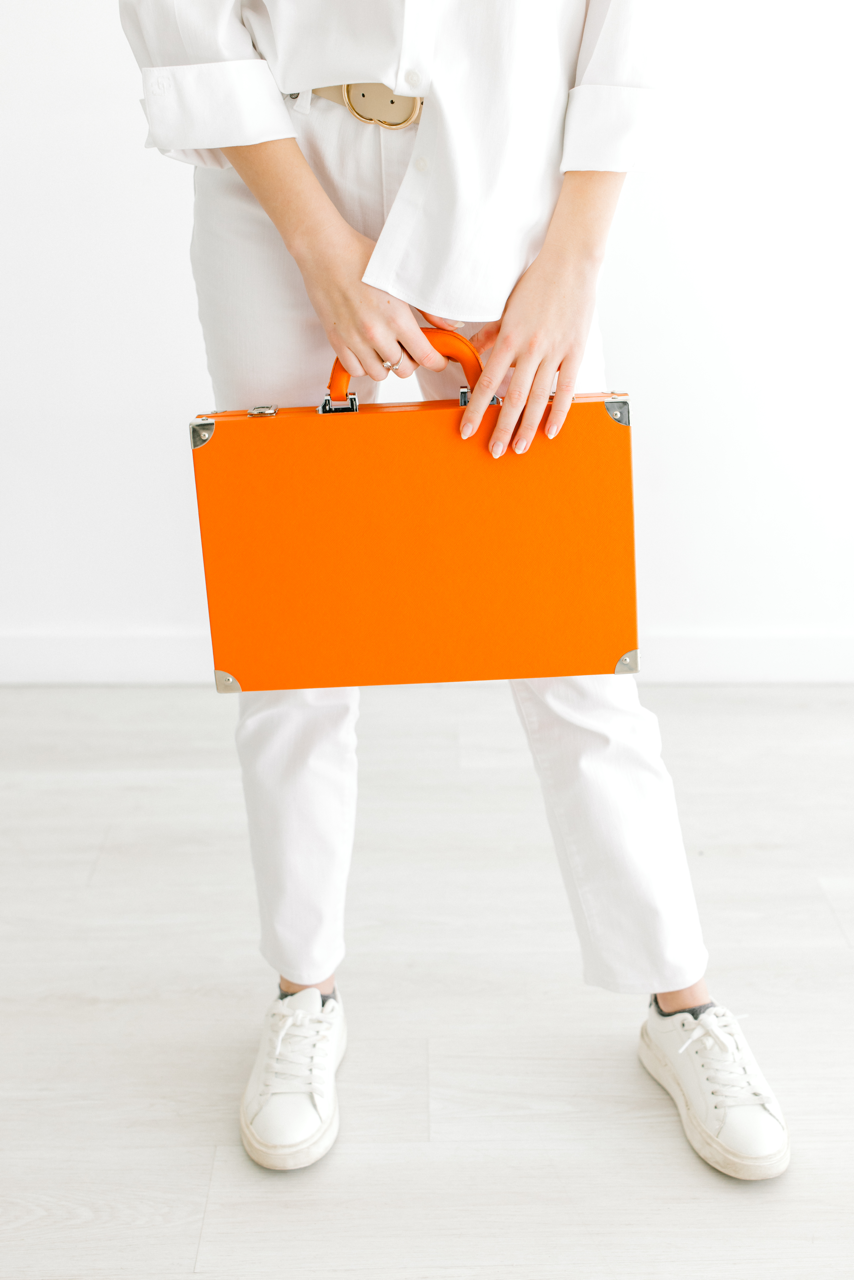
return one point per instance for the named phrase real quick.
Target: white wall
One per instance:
(726, 306)
(101, 567)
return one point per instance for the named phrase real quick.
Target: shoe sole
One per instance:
(747, 1168)
(301, 1155)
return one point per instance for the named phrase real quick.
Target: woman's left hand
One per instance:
(543, 332)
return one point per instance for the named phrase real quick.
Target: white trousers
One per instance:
(609, 799)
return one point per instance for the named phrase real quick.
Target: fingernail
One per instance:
(520, 445)
(466, 430)
(496, 449)
(552, 432)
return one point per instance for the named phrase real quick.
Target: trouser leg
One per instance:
(266, 345)
(612, 812)
(297, 750)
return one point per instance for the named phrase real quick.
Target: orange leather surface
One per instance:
(380, 548)
(447, 343)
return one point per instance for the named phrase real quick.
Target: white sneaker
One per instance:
(289, 1112)
(730, 1116)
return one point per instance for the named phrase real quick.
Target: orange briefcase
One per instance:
(348, 545)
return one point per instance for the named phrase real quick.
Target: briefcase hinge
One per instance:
(326, 405)
(465, 395)
(201, 430)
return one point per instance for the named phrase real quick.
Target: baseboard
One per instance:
(733, 659)
(156, 657)
(176, 657)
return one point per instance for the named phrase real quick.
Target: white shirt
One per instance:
(516, 92)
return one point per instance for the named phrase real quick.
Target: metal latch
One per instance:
(264, 411)
(465, 394)
(326, 405)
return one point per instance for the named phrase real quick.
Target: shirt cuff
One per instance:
(602, 129)
(214, 104)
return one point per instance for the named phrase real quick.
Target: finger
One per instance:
(413, 341)
(350, 361)
(371, 361)
(538, 400)
(406, 367)
(513, 405)
(485, 338)
(391, 353)
(484, 389)
(440, 322)
(562, 402)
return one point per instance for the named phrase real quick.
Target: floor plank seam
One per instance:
(205, 1212)
(99, 855)
(840, 926)
(429, 1089)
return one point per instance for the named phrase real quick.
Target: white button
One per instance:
(421, 164)
(413, 78)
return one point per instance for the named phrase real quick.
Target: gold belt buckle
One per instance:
(376, 97)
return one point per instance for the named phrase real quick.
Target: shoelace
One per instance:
(298, 1047)
(724, 1060)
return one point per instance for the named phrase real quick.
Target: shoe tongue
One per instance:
(309, 1000)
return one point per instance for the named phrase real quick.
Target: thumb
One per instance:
(484, 339)
(439, 322)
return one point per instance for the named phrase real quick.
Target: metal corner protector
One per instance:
(619, 411)
(201, 430)
(629, 664)
(226, 683)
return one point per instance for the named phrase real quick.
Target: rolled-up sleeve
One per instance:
(205, 84)
(607, 104)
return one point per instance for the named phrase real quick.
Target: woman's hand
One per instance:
(544, 329)
(367, 328)
(542, 333)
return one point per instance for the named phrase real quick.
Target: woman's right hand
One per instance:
(365, 326)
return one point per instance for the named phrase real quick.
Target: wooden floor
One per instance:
(496, 1123)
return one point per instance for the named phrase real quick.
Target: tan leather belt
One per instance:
(373, 104)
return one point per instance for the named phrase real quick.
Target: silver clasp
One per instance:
(464, 398)
(326, 405)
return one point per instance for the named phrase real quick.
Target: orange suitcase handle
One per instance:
(445, 341)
